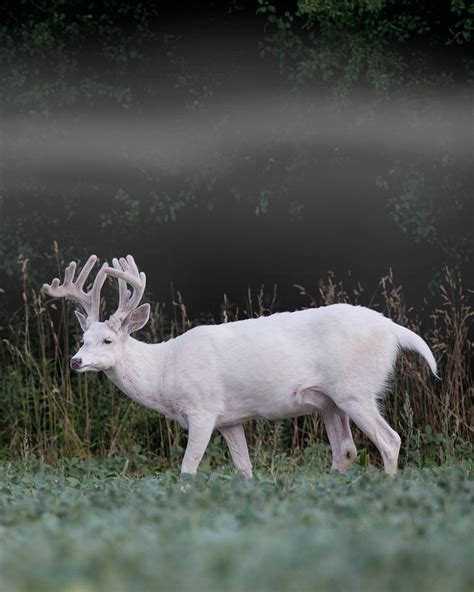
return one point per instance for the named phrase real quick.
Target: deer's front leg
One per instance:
(200, 432)
(235, 439)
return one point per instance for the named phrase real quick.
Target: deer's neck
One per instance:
(140, 372)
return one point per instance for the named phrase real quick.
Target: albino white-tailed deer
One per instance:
(335, 359)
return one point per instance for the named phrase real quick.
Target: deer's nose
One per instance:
(75, 363)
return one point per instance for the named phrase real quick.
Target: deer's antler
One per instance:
(126, 271)
(73, 290)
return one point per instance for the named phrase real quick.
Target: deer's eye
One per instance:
(107, 341)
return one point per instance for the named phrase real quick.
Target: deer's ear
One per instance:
(82, 320)
(137, 319)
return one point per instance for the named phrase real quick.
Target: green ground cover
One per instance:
(113, 526)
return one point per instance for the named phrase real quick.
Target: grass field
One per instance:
(113, 526)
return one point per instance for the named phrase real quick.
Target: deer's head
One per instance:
(102, 342)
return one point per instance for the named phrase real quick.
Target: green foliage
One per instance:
(431, 203)
(89, 58)
(388, 47)
(90, 527)
(463, 28)
(384, 44)
(46, 49)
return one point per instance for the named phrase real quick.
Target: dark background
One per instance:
(234, 144)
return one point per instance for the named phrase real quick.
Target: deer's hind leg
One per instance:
(336, 422)
(337, 426)
(366, 415)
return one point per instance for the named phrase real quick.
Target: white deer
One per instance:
(334, 359)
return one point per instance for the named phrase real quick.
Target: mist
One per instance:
(230, 129)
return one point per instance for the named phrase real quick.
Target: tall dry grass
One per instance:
(51, 412)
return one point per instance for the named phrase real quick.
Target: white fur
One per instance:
(336, 359)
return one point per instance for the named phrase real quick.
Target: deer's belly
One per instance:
(292, 403)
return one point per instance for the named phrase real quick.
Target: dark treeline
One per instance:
(237, 143)
(226, 147)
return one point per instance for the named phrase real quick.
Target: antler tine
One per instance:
(124, 293)
(126, 271)
(69, 273)
(90, 301)
(84, 274)
(94, 293)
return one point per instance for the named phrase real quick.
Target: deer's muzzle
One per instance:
(75, 363)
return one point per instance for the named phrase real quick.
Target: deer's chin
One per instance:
(87, 368)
